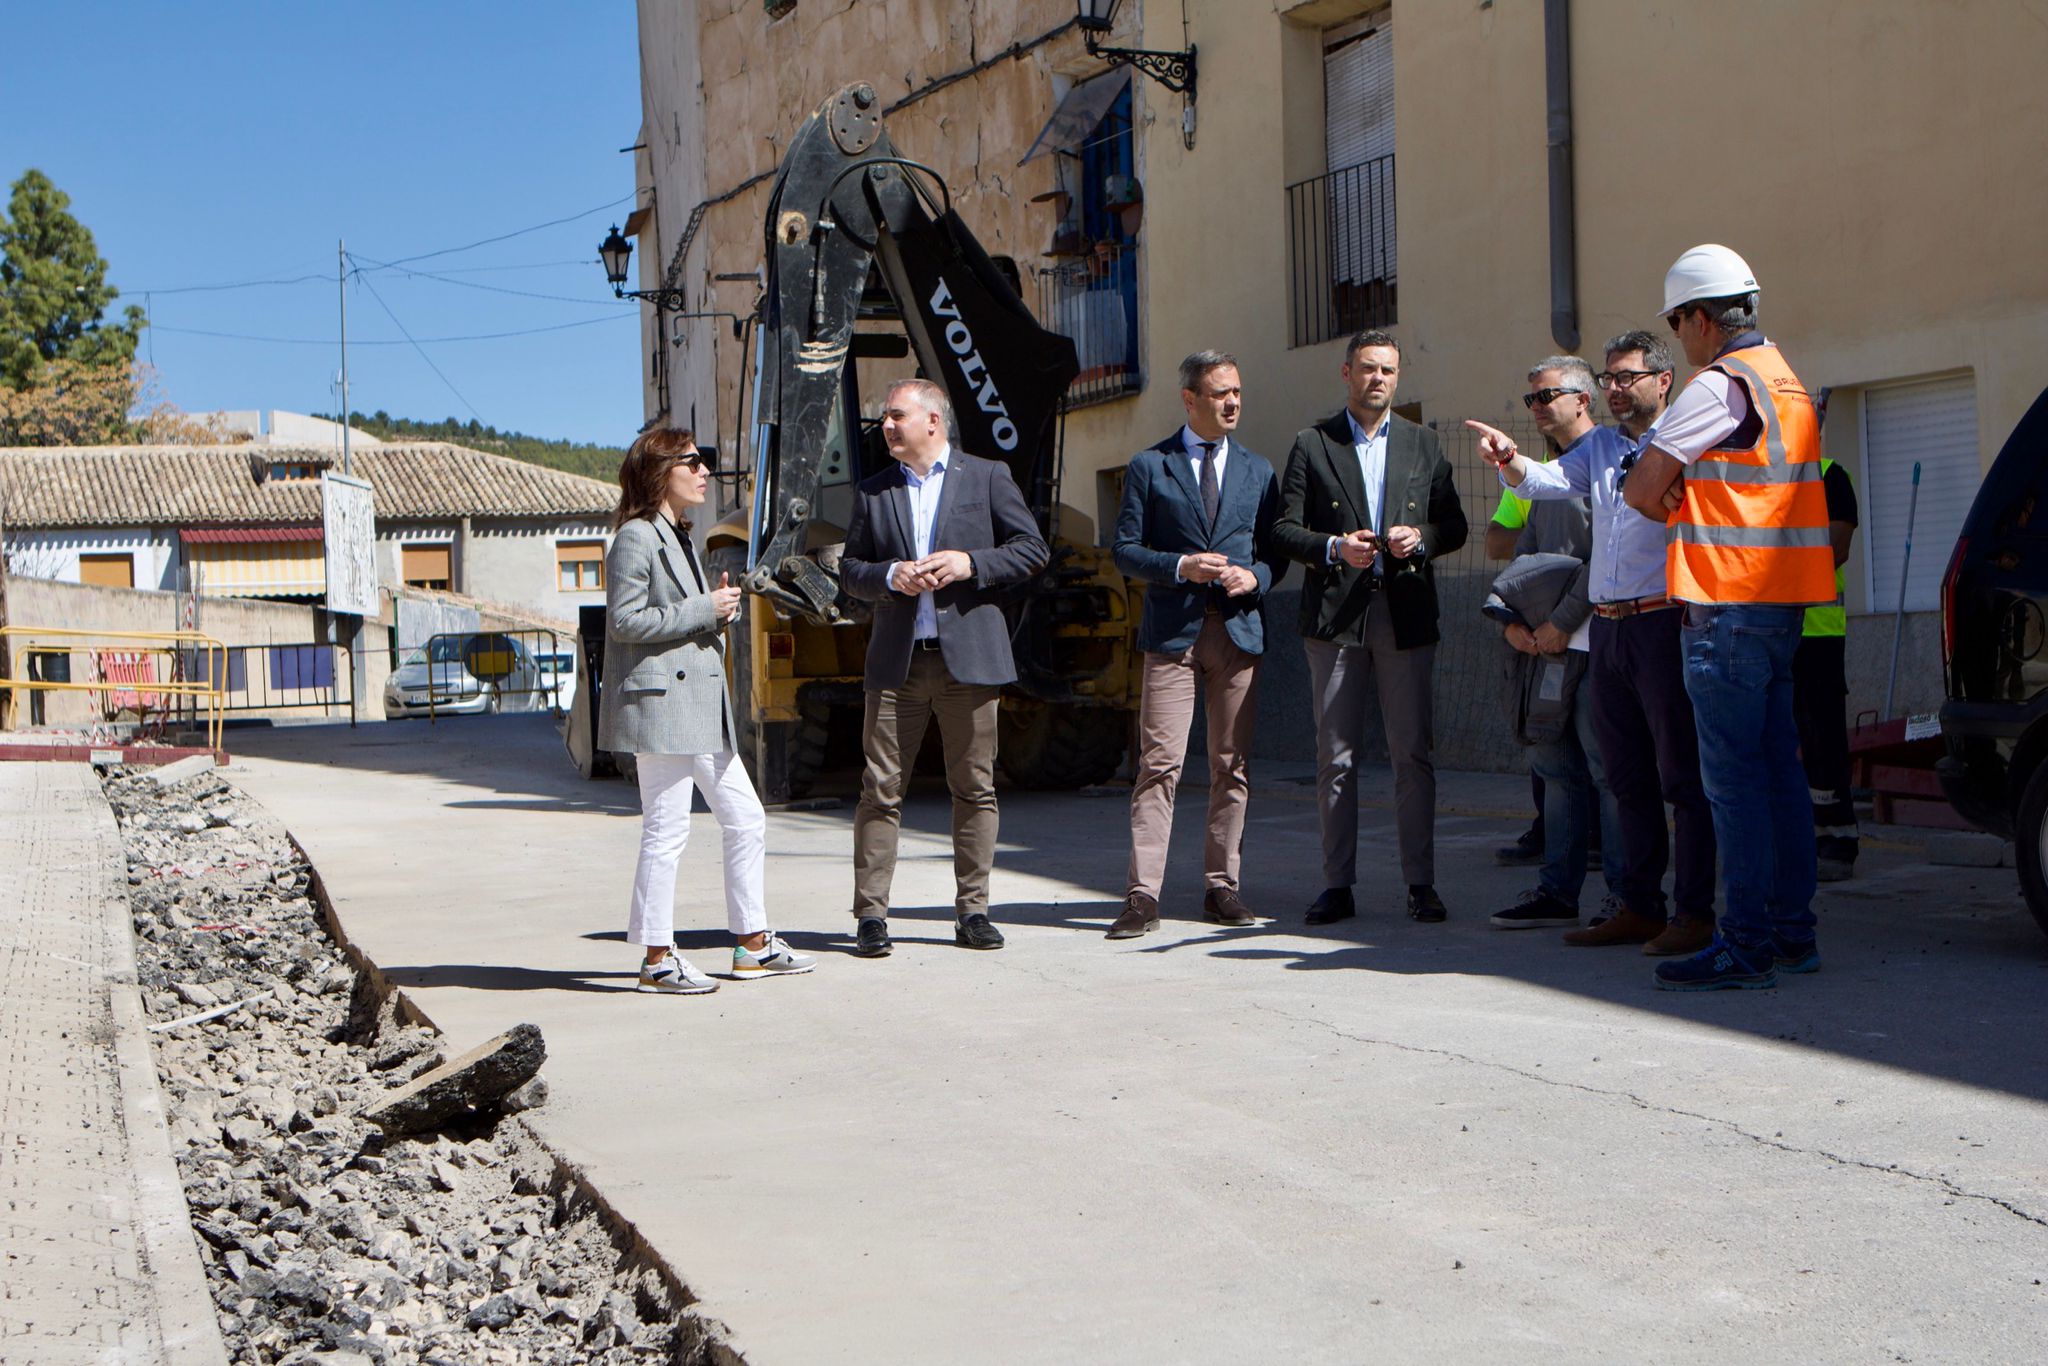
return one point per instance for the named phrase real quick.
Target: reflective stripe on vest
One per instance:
(1831, 619)
(1753, 525)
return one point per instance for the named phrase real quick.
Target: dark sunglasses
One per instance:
(1545, 396)
(700, 459)
(1676, 317)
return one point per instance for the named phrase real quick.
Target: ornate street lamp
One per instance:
(615, 251)
(1174, 70)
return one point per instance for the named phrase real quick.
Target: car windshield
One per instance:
(446, 650)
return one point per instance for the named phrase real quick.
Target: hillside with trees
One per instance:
(576, 457)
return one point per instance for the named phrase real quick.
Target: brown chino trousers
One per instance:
(892, 731)
(1166, 710)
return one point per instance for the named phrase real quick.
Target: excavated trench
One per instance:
(325, 1238)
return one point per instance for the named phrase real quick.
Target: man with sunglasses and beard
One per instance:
(1560, 399)
(1642, 717)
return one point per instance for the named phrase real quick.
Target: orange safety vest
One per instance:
(1753, 526)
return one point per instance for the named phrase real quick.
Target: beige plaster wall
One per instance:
(1877, 162)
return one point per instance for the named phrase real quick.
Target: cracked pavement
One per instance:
(1380, 1140)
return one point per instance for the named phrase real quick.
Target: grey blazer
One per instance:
(981, 512)
(664, 650)
(1161, 520)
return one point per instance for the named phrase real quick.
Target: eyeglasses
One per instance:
(1623, 379)
(698, 460)
(1545, 396)
(1675, 317)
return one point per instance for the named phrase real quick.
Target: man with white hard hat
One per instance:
(1734, 471)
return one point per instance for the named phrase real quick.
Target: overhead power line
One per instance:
(353, 341)
(508, 236)
(447, 279)
(364, 281)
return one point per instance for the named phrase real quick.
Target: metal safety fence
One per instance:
(143, 673)
(282, 676)
(481, 672)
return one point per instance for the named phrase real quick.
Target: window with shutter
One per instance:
(1358, 137)
(1343, 265)
(107, 571)
(427, 566)
(579, 565)
(1933, 422)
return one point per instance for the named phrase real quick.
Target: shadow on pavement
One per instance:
(1929, 969)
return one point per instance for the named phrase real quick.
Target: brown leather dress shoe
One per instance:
(1223, 906)
(1628, 926)
(1141, 916)
(1683, 935)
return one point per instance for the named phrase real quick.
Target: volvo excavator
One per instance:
(866, 259)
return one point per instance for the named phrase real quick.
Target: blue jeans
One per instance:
(1738, 672)
(1572, 772)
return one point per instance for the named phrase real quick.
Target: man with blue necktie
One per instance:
(1195, 526)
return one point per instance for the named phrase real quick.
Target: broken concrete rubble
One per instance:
(477, 1080)
(327, 1238)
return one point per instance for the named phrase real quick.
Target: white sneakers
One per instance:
(773, 959)
(673, 976)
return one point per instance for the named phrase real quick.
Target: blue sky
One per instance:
(227, 142)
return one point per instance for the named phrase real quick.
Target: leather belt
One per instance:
(1614, 611)
(925, 643)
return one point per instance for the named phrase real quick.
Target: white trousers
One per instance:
(666, 782)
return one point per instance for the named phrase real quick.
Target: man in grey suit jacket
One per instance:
(927, 543)
(1366, 503)
(1196, 526)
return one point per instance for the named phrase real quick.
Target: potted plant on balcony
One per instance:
(1126, 197)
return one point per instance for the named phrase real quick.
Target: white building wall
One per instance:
(54, 554)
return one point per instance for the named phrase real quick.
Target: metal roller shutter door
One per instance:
(1933, 422)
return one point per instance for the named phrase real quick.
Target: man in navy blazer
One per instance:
(930, 541)
(1195, 525)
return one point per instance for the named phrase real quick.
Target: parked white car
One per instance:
(470, 675)
(557, 678)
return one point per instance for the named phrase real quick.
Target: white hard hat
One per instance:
(1708, 272)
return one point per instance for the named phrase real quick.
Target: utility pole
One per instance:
(341, 284)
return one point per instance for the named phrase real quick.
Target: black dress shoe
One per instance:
(1141, 916)
(872, 938)
(975, 932)
(1425, 905)
(1223, 906)
(1332, 906)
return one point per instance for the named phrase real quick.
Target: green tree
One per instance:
(53, 289)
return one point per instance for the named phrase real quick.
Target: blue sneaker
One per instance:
(1719, 966)
(1795, 955)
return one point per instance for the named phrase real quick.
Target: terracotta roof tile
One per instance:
(71, 486)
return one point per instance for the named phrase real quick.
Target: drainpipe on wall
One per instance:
(1557, 84)
(459, 571)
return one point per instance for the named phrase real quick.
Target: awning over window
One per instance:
(1078, 114)
(287, 566)
(229, 535)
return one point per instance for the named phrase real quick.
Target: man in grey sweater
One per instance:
(1560, 399)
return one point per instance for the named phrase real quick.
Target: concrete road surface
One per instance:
(1380, 1142)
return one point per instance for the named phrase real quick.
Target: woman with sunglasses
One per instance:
(664, 702)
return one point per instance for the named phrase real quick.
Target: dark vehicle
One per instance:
(866, 260)
(1993, 599)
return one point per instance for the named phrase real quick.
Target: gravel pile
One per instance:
(326, 1241)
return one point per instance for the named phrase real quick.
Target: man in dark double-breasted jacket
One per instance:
(1366, 504)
